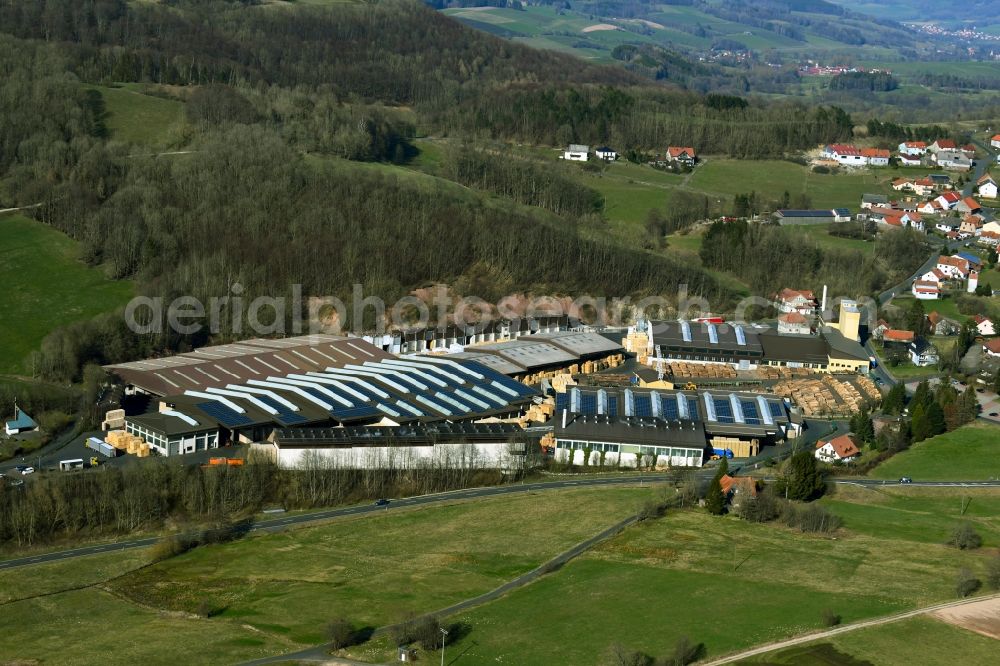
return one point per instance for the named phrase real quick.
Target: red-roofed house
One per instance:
(984, 325)
(924, 186)
(683, 154)
(875, 156)
(992, 347)
(736, 488)
(839, 449)
(914, 148)
(897, 336)
(793, 323)
(954, 267)
(968, 205)
(989, 239)
(935, 275)
(949, 200)
(969, 150)
(791, 300)
(902, 184)
(942, 144)
(971, 225)
(844, 154)
(995, 141)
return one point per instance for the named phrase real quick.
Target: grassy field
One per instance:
(135, 117)
(64, 613)
(724, 582)
(45, 286)
(920, 640)
(374, 570)
(971, 453)
(772, 178)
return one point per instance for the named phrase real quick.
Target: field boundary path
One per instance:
(819, 635)
(320, 653)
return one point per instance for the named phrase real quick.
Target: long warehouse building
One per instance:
(242, 392)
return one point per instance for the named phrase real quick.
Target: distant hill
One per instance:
(979, 12)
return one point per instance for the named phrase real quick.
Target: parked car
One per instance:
(993, 413)
(381, 502)
(905, 479)
(27, 470)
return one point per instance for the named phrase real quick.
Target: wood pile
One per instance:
(740, 447)
(869, 389)
(700, 370)
(128, 442)
(777, 372)
(828, 396)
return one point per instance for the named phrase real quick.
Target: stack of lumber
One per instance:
(700, 370)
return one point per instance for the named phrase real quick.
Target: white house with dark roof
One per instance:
(576, 153)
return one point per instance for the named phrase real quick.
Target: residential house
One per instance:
(984, 325)
(939, 325)
(576, 153)
(606, 154)
(912, 148)
(941, 144)
(953, 159)
(794, 323)
(924, 186)
(989, 239)
(968, 205)
(792, 300)
(931, 207)
(910, 160)
(737, 489)
(995, 141)
(869, 201)
(947, 225)
(839, 449)
(926, 290)
(986, 186)
(992, 347)
(845, 155)
(969, 151)
(681, 154)
(903, 184)
(940, 180)
(956, 268)
(971, 225)
(935, 275)
(876, 157)
(973, 282)
(949, 200)
(923, 354)
(21, 423)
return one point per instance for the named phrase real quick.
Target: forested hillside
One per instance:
(255, 189)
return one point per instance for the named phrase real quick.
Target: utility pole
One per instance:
(444, 634)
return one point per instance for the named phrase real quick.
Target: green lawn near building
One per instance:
(970, 453)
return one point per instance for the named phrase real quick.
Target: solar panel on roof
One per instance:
(670, 411)
(284, 414)
(354, 413)
(643, 406)
(612, 407)
(223, 414)
(723, 410)
(589, 404)
(750, 412)
(777, 410)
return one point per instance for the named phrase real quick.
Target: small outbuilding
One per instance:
(21, 423)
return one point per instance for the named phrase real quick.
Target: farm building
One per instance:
(576, 153)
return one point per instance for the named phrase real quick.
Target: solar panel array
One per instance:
(223, 414)
(750, 412)
(723, 410)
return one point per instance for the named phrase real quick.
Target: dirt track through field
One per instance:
(820, 635)
(982, 617)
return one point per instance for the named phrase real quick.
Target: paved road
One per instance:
(820, 635)
(283, 522)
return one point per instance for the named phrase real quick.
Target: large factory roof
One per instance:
(705, 336)
(648, 430)
(402, 390)
(721, 412)
(542, 350)
(238, 362)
